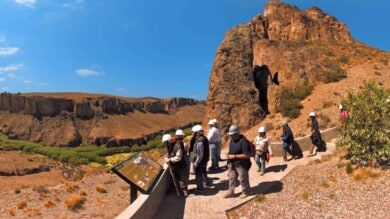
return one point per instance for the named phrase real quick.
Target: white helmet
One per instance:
(215, 121)
(284, 123)
(312, 114)
(197, 128)
(211, 122)
(166, 137)
(261, 129)
(340, 106)
(233, 129)
(179, 132)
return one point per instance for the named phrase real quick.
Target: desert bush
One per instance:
(343, 59)
(69, 187)
(74, 201)
(366, 135)
(49, 204)
(290, 100)
(101, 188)
(21, 204)
(12, 212)
(334, 75)
(260, 198)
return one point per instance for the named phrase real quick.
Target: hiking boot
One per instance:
(243, 195)
(228, 195)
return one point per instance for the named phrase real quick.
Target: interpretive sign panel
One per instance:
(140, 171)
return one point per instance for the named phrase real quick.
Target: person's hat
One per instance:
(197, 128)
(261, 129)
(233, 129)
(312, 114)
(215, 121)
(340, 106)
(166, 137)
(179, 132)
(211, 122)
(284, 123)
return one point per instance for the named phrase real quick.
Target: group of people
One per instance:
(203, 148)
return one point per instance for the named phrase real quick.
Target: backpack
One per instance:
(252, 148)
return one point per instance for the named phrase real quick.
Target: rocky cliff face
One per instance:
(302, 46)
(93, 120)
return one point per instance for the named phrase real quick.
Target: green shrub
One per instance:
(334, 75)
(290, 100)
(366, 134)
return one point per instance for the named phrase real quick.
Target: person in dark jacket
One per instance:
(201, 147)
(239, 162)
(176, 157)
(316, 140)
(288, 139)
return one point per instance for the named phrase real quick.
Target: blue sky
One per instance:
(138, 48)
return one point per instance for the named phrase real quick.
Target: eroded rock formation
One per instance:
(302, 46)
(105, 120)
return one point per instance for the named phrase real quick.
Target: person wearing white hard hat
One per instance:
(214, 138)
(176, 158)
(238, 162)
(261, 143)
(202, 150)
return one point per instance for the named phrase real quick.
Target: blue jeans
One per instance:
(260, 161)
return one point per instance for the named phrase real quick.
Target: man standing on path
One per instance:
(214, 138)
(202, 157)
(288, 139)
(176, 157)
(238, 162)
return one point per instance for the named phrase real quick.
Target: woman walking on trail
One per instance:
(262, 149)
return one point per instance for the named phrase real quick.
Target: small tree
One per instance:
(366, 135)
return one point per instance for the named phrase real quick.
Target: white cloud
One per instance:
(2, 79)
(43, 84)
(8, 51)
(11, 75)
(74, 4)
(87, 72)
(2, 38)
(27, 81)
(28, 3)
(10, 68)
(5, 88)
(121, 89)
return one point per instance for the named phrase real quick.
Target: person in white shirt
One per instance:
(214, 138)
(261, 143)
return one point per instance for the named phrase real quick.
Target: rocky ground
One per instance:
(324, 190)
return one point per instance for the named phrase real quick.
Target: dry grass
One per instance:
(75, 201)
(22, 204)
(100, 201)
(32, 212)
(325, 184)
(11, 212)
(363, 174)
(260, 198)
(83, 192)
(49, 203)
(305, 195)
(69, 187)
(101, 188)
